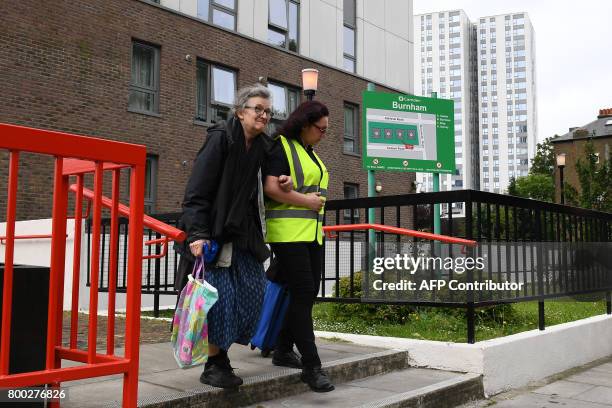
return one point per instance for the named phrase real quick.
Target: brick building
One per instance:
(572, 144)
(160, 74)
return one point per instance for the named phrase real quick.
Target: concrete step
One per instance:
(162, 384)
(410, 387)
(282, 383)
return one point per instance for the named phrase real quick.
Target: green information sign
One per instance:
(408, 133)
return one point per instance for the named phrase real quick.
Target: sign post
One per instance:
(372, 190)
(436, 188)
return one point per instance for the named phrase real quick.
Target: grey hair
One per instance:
(252, 91)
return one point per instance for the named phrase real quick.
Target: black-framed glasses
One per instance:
(322, 130)
(259, 111)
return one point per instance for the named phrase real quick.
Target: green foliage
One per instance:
(539, 184)
(595, 182)
(544, 159)
(368, 312)
(535, 186)
(512, 187)
(433, 324)
(400, 314)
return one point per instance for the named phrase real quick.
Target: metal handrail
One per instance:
(102, 155)
(328, 229)
(172, 233)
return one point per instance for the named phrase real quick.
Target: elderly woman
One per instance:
(224, 202)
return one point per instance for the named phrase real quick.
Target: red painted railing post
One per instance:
(132, 326)
(7, 291)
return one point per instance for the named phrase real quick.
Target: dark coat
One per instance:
(209, 204)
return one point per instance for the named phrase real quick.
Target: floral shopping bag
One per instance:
(189, 327)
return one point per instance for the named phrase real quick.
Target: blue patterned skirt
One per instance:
(234, 318)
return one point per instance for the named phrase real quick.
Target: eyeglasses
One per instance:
(259, 111)
(322, 130)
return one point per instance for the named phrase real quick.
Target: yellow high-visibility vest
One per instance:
(290, 223)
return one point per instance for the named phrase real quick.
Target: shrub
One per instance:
(367, 311)
(383, 313)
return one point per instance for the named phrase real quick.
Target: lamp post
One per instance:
(561, 165)
(310, 78)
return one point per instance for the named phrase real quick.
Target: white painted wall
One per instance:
(506, 362)
(37, 252)
(384, 34)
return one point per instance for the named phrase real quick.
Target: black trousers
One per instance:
(300, 265)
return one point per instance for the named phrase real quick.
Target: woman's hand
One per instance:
(196, 247)
(285, 183)
(314, 201)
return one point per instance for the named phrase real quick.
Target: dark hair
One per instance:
(306, 114)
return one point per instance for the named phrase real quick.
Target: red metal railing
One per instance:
(76, 167)
(329, 229)
(97, 155)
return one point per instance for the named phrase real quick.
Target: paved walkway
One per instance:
(589, 386)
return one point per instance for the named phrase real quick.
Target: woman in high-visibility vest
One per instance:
(294, 230)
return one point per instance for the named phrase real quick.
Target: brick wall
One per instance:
(65, 65)
(573, 151)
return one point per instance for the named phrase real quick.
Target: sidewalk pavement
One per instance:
(589, 386)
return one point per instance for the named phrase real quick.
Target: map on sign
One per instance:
(401, 135)
(408, 133)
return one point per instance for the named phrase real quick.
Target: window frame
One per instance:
(353, 27)
(346, 213)
(355, 138)
(212, 6)
(210, 106)
(285, 31)
(277, 120)
(155, 72)
(152, 163)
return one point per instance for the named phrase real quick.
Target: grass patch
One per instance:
(429, 323)
(162, 313)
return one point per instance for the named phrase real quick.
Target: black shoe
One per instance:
(221, 376)
(317, 379)
(286, 359)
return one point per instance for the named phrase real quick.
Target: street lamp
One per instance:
(310, 77)
(561, 165)
(378, 187)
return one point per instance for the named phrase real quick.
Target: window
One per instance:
(350, 25)
(285, 100)
(150, 194)
(216, 87)
(283, 23)
(351, 191)
(351, 127)
(144, 84)
(223, 12)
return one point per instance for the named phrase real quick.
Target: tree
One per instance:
(536, 186)
(512, 187)
(539, 184)
(595, 181)
(544, 159)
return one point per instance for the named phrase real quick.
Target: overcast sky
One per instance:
(573, 54)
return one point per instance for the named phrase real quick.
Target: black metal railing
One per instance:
(524, 241)
(157, 273)
(541, 245)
